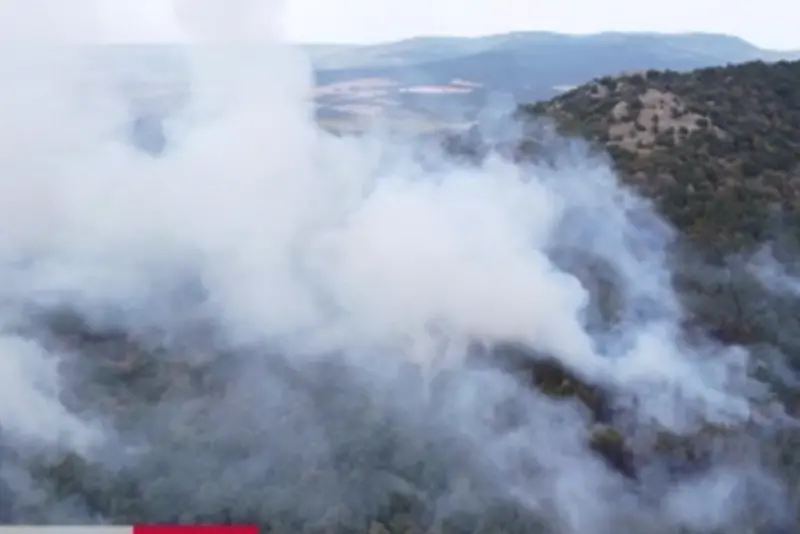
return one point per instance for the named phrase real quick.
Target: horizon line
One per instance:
(345, 43)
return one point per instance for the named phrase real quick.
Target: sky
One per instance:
(766, 23)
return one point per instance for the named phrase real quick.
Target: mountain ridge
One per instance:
(330, 56)
(404, 76)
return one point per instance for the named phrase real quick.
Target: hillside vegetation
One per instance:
(718, 148)
(718, 151)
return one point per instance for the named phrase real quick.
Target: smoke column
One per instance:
(294, 312)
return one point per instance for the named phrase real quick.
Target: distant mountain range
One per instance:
(451, 77)
(427, 83)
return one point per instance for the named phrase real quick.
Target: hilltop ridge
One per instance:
(403, 77)
(718, 152)
(718, 148)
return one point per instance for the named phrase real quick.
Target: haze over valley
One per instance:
(440, 78)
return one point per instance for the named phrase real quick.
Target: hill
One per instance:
(718, 148)
(424, 49)
(718, 152)
(434, 75)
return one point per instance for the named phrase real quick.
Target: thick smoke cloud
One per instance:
(271, 321)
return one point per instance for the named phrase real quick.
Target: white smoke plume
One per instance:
(319, 277)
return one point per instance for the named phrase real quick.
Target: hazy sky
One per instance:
(768, 23)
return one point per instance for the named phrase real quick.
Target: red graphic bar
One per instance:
(195, 529)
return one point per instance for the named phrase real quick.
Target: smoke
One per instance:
(271, 323)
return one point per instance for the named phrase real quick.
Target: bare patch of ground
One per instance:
(636, 126)
(361, 87)
(460, 82)
(436, 89)
(370, 110)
